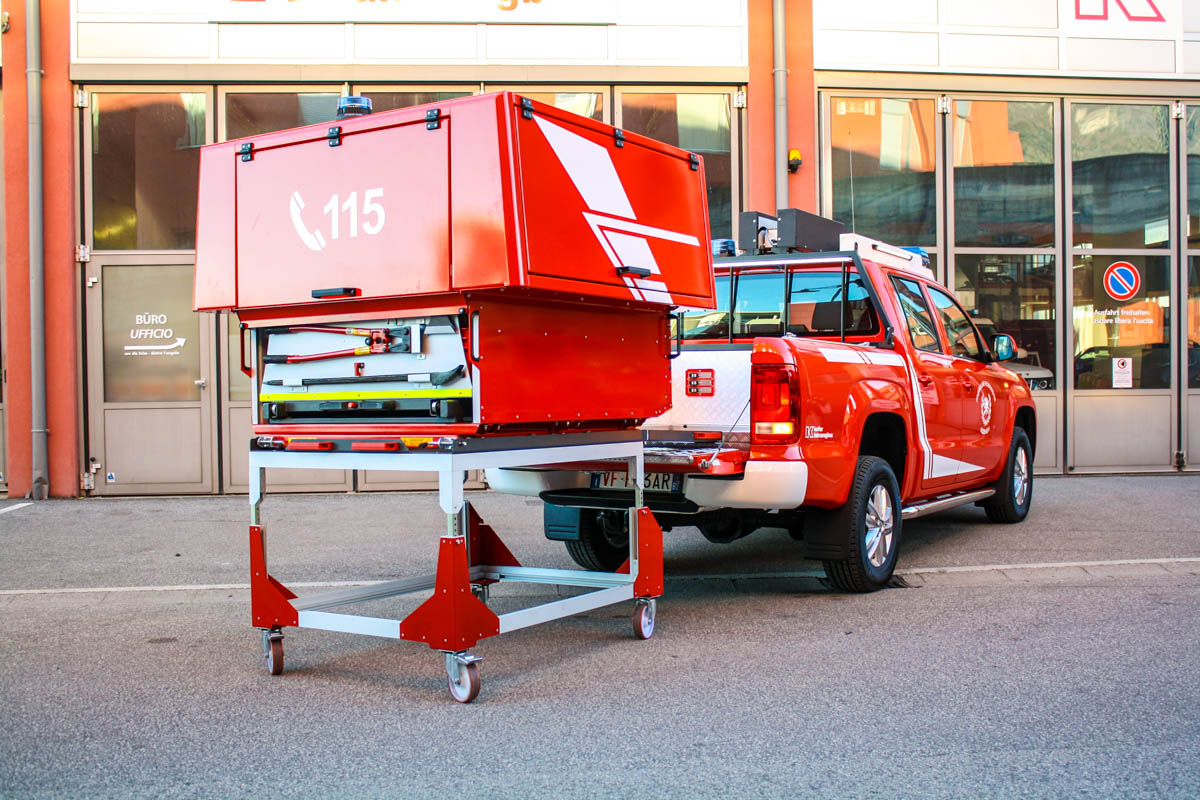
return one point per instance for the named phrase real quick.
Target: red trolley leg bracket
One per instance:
(269, 606)
(649, 581)
(487, 549)
(453, 619)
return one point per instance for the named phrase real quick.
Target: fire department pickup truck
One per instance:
(833, 394)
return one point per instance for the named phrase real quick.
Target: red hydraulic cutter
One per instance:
(482, 282)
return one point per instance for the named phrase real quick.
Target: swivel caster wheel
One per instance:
(462, 676)
(273, 651)
(643, 618)
(481, 591)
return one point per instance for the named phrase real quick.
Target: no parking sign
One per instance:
(1122, 281)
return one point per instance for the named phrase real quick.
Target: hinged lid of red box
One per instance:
(470, 194)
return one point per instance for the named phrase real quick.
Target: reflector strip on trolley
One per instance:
(418, 393)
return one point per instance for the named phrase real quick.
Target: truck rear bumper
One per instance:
(531, 482)
(762, 485)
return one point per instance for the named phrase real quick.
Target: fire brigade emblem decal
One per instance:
(624, 240)
(987, 400)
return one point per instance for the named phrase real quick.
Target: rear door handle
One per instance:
(968, 385)
(924, 380)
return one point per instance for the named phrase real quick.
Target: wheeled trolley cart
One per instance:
(471, 556)
(480, 282)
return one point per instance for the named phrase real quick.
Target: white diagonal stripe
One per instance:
(590, 168)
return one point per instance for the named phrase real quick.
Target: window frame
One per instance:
(985, 353)
(88, 172)
(938, 334)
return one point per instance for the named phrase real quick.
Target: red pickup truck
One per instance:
(832, 394)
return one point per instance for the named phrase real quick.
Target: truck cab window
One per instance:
(708, 324)
(916, 312)
(816, 301)
(758, 304)
(964, 341)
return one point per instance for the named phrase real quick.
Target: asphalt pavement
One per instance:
(1055, 658)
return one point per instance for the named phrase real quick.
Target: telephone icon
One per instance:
(312, 239)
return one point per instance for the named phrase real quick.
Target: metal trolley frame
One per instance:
(471, 556)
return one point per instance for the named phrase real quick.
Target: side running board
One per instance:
(942, 503)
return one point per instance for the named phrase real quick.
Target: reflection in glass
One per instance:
(252, 113)
(921, 330)
(959, 332)
(884, 154)
(585, 104)
(1013, 294)
(698, 123)
(1108, 329)
(758, 304)
(1121, 175)
(1003, 174)
(145, 167)
(709, 324)
(1193, 322)
(1193, 175)
(815, 304)
(151, 335)
(239, 384)
(389, 101)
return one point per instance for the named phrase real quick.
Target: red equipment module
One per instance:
(483, 264)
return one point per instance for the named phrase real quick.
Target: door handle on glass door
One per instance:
(201, 382)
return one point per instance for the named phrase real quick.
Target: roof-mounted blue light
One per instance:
(353, 106)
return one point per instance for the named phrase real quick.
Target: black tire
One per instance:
(872, 552)
(1014, 491)
(603, 543)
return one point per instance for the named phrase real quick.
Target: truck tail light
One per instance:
(774, 403)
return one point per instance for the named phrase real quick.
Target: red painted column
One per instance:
(61, 278)
(802, 105)
(760, 107)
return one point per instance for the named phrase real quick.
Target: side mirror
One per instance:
(1003, 347)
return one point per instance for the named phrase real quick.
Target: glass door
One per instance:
(235, 396)
(586, 101)
(699, 120)
(389, 98)
(150, 377)
(881, 157)
(1004, 243)
(150, 362)
(251, 111)
(1122, 394)
(1189, 351)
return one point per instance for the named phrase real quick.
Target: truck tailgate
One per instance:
(709, 390)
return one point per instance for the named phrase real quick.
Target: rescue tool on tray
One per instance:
(377, 340)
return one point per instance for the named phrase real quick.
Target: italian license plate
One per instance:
(653, 481)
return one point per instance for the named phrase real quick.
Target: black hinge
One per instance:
(247, 151)
(694, 160)
(433, 119)
(618, 137)
(334, 136)
(526, 108)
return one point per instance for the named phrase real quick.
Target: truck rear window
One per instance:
(759, 308)
(709, 324)
(815, 302)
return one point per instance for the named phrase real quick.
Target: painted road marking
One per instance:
(7, 509)
(742, 576)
